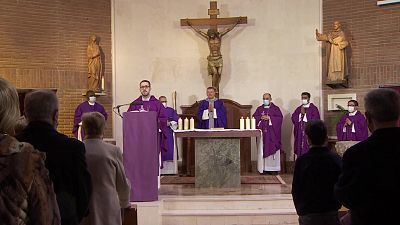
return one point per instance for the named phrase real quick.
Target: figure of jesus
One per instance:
(94, 64)
(215, 62)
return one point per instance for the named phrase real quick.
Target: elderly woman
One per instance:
(111, 188)
(26, 192)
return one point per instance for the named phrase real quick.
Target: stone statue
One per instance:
(215, 62)
(94, 64)
(336, 52)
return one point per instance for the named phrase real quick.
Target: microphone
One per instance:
(136, 103)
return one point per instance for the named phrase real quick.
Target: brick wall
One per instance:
(374, 35)
(43, 45)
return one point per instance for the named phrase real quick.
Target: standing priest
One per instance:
(269, 120)
(212, 113)
(87, 106)
(172, 124)
(147, 102)
(304, 113)
(352, 126)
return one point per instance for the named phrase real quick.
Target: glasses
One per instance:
(143, 87)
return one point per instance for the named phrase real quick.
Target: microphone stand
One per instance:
(118, 112)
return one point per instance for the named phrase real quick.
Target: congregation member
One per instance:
(111, 188)
(370, 180)
(269, 120)
(314, 178)
(65, 157)
(211, 113)
(306, 112)
(26, 191)
(172, 124)
(90, 105)
(352, 126)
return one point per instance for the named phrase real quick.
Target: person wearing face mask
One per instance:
(370, 180)
(305, 112)
(352, 126)
(269, 120)
(211, 113)
(87, 106)
(172, 124)
(65, 157)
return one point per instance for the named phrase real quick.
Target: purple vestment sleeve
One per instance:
(360, 127)
(300, 139)
(171, 116)
(221, 120)
(271, 133)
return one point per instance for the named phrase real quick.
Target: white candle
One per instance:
(186, 124)
(241, 122)
(253, 123)
(191, 122)
(180, 124)
(102, 83)
(247, 123)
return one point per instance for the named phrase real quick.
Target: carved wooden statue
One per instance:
(94, 64)
(336, 52)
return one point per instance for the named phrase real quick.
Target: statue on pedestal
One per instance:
(336, 52)
(94, 65)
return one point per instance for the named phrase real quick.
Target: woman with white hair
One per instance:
(26, 192)
(111, 188)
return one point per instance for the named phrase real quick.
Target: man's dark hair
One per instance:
(40, 105)
(306, 93)
(383, 104)
(316, 132)
(212, 88)
(90, 93)
(140, 84)
(353, 101)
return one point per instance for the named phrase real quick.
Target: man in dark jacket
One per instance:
(370, 183)
(65, 157)
(314, 178)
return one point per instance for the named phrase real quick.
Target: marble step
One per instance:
(254, 204)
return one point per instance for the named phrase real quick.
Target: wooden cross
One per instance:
(213, 21)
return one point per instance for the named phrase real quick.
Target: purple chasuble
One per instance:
(271, 133)
(300, 138)
(85, 107)
(220, 121)
(360, 127)
(171, 116)
(154, 105)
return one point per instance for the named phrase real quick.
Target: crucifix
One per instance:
(214, 38)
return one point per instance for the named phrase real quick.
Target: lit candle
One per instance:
(241, 122)
(247, 123)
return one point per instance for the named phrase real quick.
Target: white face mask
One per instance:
(92, 99)
(304, 101)
(164, 104)
(351, 109)
(266, 102)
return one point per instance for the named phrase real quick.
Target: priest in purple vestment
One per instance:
(269, 120)
(212, 113)
(304, 113)
(87, 106)
(147, 102)
(352, 126)
(172, 124)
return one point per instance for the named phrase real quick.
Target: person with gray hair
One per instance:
(65, 156)
(26, 191)
(111, 188)
(370, 180)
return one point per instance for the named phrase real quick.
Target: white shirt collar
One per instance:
(146, 99)
(92, 104)
(353, 113)
(307, 106)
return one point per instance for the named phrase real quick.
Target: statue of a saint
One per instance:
(94, 64)
(215, 62)
(336, 52)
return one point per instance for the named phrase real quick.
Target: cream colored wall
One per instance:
(276, 52)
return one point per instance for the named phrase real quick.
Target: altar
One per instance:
(217, 155)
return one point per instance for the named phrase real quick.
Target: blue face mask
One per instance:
(266, 102)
